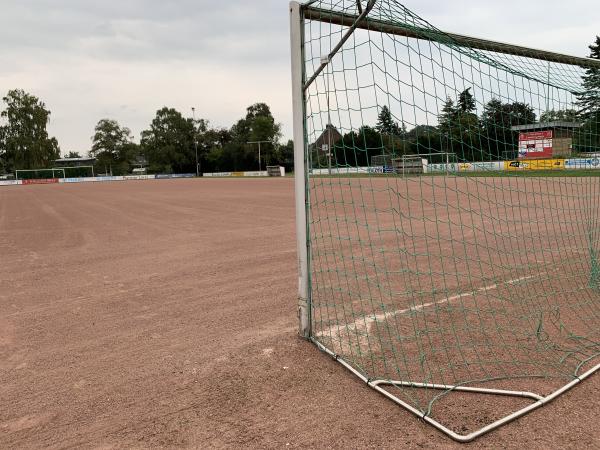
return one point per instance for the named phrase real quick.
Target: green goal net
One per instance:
(470, 292)
(55, 172)
(38, 174)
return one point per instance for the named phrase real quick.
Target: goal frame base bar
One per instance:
(539, 400)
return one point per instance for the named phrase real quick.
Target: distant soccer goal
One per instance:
(468, 300)
(54, 172)
(77, 171)
(36, 174)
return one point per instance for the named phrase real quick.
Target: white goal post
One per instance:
(300, 172)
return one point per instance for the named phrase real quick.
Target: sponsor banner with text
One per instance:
(217, 174)
(481, 166)
(343, 170)
(535, 164)
(582, 163)
(169, 176)
(138, 177)
(41, 181)
(262, 173)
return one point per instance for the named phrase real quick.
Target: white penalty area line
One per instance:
(491, 287)
(368, 320)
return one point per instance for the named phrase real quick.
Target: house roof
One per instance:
(329, 134)
(67, 160)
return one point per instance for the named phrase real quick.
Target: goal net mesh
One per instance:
(485, 275)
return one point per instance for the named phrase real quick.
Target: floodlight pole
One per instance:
(259, 142)
(195, 141)
(300, 178)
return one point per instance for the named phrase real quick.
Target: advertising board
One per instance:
(41, 181)
(535, 164)
(535, 144)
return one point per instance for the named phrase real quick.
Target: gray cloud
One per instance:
(125, 59)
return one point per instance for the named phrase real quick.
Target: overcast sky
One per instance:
(89, 60)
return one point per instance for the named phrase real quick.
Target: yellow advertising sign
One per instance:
(535, 164)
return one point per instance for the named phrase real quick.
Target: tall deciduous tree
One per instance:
(108, 137)
(566, 115)
(497, 120)
(113, 146)
(24, 140)
(169, 143)
(258, 125)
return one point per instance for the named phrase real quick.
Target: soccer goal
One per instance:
(77, 171)
(36, 174)
(468, 300)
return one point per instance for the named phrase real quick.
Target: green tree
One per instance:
(355, 149)
(589, 99)
(113, 147)
(108, 137)
(393, 136)
(258, 125)
(213, 143)
(386, 123)
(169, 142)
(459, 128)
(24, 140)
(587, 138)
(466, 101)
(566, 115)
(448, 116)
(496, 120)
(424, 139)
(73, 154)
(286, 156)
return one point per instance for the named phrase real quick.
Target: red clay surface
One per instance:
(162, 314)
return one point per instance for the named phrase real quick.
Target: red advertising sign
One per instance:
(535, 144)
(41, 181)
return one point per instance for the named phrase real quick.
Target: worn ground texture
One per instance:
(162, 314)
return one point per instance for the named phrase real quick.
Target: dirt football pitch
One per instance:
(149, 314)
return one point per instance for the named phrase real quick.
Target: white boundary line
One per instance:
(366, 321)
(491, 287)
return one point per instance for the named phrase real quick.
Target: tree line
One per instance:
(169, 144)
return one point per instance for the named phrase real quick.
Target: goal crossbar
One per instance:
(365, 23)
